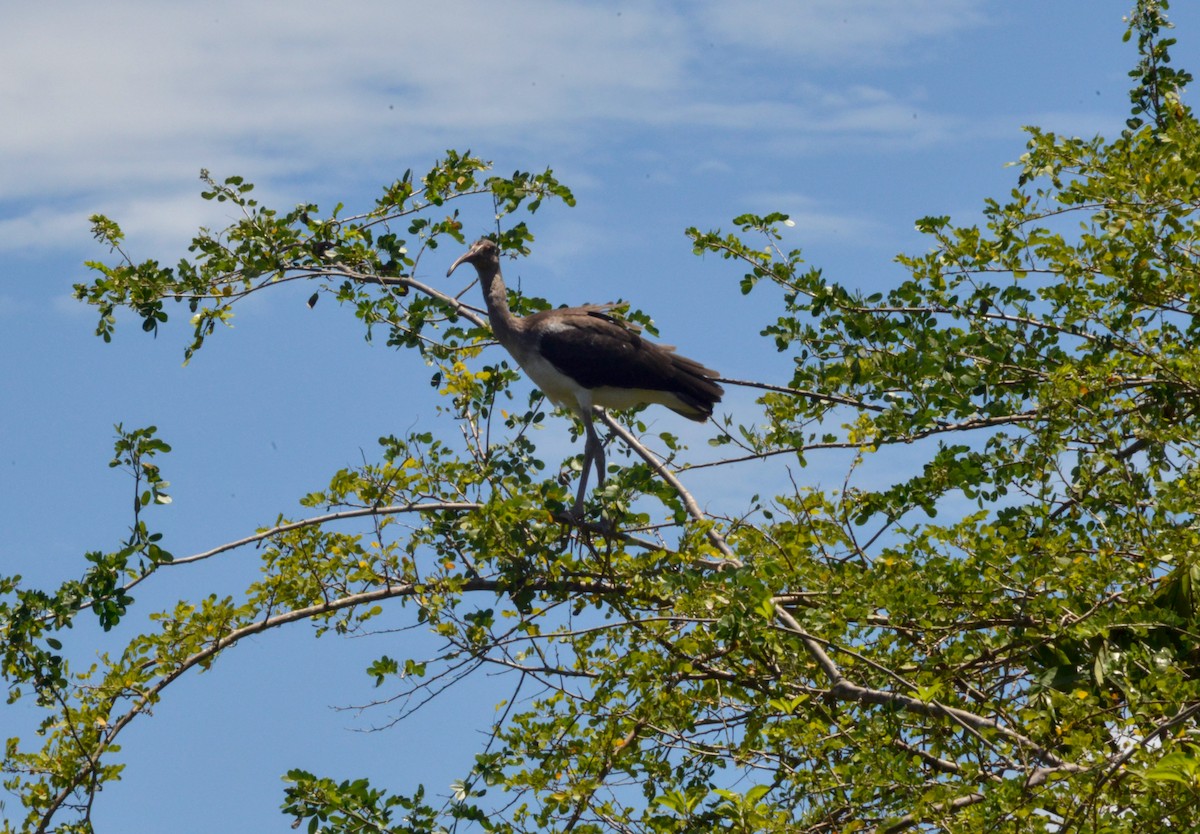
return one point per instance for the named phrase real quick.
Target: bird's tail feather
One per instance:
(697, 388)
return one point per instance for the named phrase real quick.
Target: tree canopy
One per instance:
(1004, 634)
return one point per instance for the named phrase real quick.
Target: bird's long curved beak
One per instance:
(456, 264)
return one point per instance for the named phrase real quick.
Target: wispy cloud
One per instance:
(812, 219)
(119, 105)
(866, 32)
(158, 219)
(105, 95)
(10, 306)
(132, 94)
(38, 226)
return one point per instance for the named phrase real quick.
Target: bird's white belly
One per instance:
(565, 392)
(559, 388)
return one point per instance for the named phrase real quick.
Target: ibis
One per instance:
(583, 358)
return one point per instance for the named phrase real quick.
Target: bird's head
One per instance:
(483, 251)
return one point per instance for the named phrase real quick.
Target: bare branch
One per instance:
(663, 472)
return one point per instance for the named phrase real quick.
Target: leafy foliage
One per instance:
(350, 257)
(992, 624)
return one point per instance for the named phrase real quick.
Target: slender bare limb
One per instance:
(689, 502)
(150, 695)
(844, 689)
(315, 521)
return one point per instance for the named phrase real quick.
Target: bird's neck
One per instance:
(505, 326)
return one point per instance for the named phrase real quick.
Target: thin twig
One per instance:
(689, 502)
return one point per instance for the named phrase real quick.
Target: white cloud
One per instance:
(39, 227)
(709, 167)
(109, 93)
(1084, 123)
(157, 219)
(815, 221)
(865, 32)
(166, 220)
(131, 92)
(811, 119)
(11, 307)
(119, 104)
(68, 305)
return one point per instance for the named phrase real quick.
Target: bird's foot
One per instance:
(575, 517)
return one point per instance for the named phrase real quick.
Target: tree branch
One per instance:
(660, 468)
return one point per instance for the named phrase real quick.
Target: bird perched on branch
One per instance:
(582, 358)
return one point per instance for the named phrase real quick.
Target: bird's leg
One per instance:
(593, 454)
(597, 456)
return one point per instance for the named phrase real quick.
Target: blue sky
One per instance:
(853, 117)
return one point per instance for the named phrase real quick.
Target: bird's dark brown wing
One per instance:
(598, 351)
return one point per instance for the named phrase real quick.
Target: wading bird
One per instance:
(582, 358)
